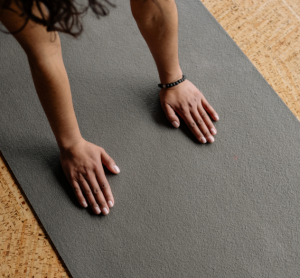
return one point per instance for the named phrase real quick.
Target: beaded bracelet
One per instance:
(172, 84)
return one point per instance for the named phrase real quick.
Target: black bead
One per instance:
(171, 84)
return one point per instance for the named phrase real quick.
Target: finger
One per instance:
(170, 113)
(88, 194)
(104, 186)
(109, 162)
(185, 114)
(78, 193)
(207, 121)
(98, 194)
(210, 110)
(201, 125)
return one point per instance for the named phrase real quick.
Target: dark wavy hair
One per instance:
(64, 15)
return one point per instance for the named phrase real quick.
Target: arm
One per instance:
(157, 21)
(81, 160)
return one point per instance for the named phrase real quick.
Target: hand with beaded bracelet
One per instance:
(158, 23)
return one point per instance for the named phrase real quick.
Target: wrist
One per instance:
(65, 143)
(170, 77)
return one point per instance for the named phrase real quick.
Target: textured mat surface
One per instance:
(229, 209)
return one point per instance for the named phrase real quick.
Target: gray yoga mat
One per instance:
(182, 209)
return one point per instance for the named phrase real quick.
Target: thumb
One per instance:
(171, 116)
(109, 162)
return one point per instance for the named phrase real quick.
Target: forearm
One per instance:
(157, 21)
(53, 89)
(43, 50)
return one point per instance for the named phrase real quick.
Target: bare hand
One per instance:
(190, 104)
(82, 165)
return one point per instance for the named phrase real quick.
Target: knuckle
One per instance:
(73, 176)
(104, 185)
(190, 104)
(84, 171)
(73, 180)
(88, 174)
(77, 189)
(182, 108)
(199, 121)
(94, 166)
(81, 178)
(88, 191)
(192, 124)
(96, 190)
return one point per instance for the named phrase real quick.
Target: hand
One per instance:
(192, 107)
(82, 165)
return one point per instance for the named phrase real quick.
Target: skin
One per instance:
(83, 161)
(157, 21)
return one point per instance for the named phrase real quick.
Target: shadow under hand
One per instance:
(67, 187)
(43, 151)
(62, 180)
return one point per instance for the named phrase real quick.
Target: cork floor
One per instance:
(267, 31)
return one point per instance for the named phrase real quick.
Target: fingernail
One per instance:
(117, 168)
(97, 210)
(211, 139)
(217, 117)
(105, 210)
(175, 124)
(213, 131)
(202, 140)
(84, 204)
(110, 204)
